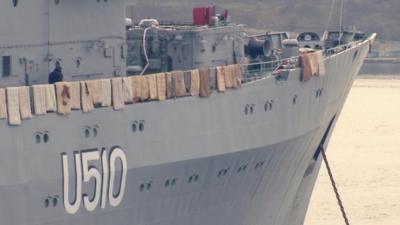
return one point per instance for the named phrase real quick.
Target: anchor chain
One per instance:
(335, 189)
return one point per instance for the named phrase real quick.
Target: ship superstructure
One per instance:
(86, 37)
(205, 125)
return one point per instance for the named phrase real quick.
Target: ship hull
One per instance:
(232, 158)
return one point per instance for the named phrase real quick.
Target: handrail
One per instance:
(278, 62)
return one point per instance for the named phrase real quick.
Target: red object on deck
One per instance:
(202, 15)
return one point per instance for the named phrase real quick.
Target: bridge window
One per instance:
(6, 66)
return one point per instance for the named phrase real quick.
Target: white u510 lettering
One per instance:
(105, 181)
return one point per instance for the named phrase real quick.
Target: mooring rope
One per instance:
(335, 189)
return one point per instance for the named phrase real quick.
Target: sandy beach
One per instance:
(364, 154)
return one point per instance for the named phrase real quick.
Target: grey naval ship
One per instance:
(109, 122)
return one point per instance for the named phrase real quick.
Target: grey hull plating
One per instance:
(180, 139)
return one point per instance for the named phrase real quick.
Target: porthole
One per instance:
(55, 202)
(294, 100)
(148, 187)
(214, 48)
(252, 108)
(173, 182)
(78, 62)
(46, 138)
(141, 126)
(95, 131)
(223, 172)
(242, 169)
(47, 202)
(190, 179)
(15, 3)
(266, 106)
(259, 164)
(319, 93)
(56, 2)
(142, 187)
(134, 127)
(87, 132)
(38, 138)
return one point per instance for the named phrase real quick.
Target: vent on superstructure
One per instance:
(6, 66)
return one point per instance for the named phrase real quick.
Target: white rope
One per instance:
(341, 21)
(145, 50)
(330, 14)
(341, 16)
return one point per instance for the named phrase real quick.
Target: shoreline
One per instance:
(378, 77)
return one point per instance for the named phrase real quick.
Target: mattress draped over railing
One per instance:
(22, 103)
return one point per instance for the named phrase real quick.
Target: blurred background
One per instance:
(381, 16)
